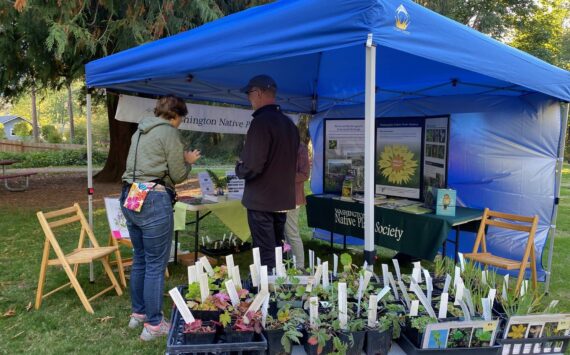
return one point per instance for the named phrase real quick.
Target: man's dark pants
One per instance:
(267, 232)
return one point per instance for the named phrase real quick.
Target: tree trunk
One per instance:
(70, 112)
(35, 128)
(120, 140)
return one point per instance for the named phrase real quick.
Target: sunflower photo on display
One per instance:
(397, 164)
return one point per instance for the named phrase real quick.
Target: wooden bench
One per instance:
(6, 178)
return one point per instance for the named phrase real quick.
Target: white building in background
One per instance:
(9, 122)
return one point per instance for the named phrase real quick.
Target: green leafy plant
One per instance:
(288, 319)
(420, 323)
(219, 182)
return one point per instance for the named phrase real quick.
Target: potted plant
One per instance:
(415, 328)
(353, 336)
(220, 183)
(199, 332)
(238, 330)
(283, 330)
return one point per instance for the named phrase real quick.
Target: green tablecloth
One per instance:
(230, 212)
(419, 235)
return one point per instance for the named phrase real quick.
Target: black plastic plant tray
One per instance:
(410, 349)
(176, 344)
(548, 345)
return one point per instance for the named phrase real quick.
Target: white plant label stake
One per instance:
(447, 283)
(456, 276)
(207, 266)
(230, 286)
(393, 284)
(254, 275)
(181, 305)
(199, 269)
(491, 296)
(372, 311)
(486, 309)
(429, 285)
(335, 264)
(325, 268)
(310, 282)
(367, 277)
(418, 265)
(465, 311)
(318, 275)
(318, 261)
(397, 267)
(382, 293)
(470, 305)
(264, 279)
(342, 305)
(312, 261)
(443, 306)
(404, 292)
(257, 261)
(484, 274)
(461, 261)
(313, 310)
(418, 291)
(385, 274)
(264, 311)
(236, 277)
(417, 275)
(459, 293)
(505, 286)
(204, 288)
(279, 260)
(414, 308)
(230, 265)
(192, 274)
(256, 304)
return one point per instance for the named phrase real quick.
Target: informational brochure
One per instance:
(536, 326)
(398, 157)
(206, 184)
(466, 334)
(235, 185)
(344, 154)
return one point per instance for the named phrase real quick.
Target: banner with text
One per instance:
(200, 118)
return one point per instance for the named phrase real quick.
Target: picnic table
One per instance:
(7, 177)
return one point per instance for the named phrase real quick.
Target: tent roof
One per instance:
(315, 51)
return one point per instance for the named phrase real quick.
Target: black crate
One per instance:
(548, 345)
(176, 344)
(410, 349)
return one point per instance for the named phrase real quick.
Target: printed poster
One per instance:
(344, 154)
(436, 146)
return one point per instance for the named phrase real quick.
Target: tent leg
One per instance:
(369, 133)
(90, 176)
(564, 109)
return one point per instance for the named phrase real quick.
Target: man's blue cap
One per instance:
(261, 81)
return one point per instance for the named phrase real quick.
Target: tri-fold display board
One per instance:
(410, 157)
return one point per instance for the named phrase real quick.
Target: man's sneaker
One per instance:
(151, 332)
(136, 320)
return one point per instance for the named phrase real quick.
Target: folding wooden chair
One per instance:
(504, 220)
(80, 255)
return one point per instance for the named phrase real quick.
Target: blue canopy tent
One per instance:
(345, 57)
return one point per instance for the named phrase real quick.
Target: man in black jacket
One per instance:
(268, 165)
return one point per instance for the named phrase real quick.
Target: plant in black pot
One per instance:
(378, 339)
(240, 328)
(282, 331)
(415, 328)
(199, 332)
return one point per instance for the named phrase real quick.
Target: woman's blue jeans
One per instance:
(151, 232)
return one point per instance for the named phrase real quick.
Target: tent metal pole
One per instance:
(90, 175)
(369, 133)
(558, 180)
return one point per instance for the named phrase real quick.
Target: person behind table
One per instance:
(159, 156)
(268, 164)
(292, 224)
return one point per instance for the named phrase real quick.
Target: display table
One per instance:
(230, 212)
(418, 235)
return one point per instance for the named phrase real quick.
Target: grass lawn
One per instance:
(63, 326)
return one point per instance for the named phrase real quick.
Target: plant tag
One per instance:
(467, 297)
(256, 304)
(192, 274)
(372, 311)
(342, 305)
(312, 261)
(231, 287)
(456, 276)
(264, 281)
(418, 265)
(199, 269)
(505, 287)
(461, 261)
(429, 285)
(325, 268)
(443, 305)
(491, 296)
(204, 288)
(563, 325)
(207, 266)
(414, 308)
(237, 277)
(181, 305)
(465, 311)
(393, 283)
(489, 326)
(551, 306)
(385, 274)
(486, 308)
(360, 290)
(484, 274)
(318, 275)
(254, 275)
(418, 291)
(257, 262)
(230, 265)
(459, 293)
(335, 264)
(404, 293)
(279, 260)
(397, 267)
(365, 265)
(524, 287)
(313, 310)
(367, 277)
(447, 283)
(318, 261)
(382, 293)
(264, 311)
(417, 275)
(310, 282)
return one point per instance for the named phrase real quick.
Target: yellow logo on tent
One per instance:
(402, 18)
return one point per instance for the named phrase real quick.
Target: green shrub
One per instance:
(51, 134)
(2, 133)
(23, 129)
(54, 158)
